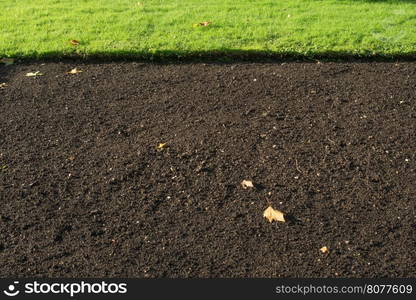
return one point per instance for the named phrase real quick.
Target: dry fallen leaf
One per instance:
(324, 249)
(161, 146)
(7, 61)
(74, 71)
(34, 74)
(202, 24)
(3, 85)
(274, 215)
(74, 42)
(247, 184)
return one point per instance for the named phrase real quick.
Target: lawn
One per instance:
(42, 28)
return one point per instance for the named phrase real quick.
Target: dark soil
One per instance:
(85, 192)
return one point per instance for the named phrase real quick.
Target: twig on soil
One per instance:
(297, 167)
(330, 140)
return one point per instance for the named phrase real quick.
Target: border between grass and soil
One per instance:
(218, 56)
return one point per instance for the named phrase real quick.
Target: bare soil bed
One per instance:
(84, 191)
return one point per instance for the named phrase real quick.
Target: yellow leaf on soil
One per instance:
(162, 146)
(247, 184)
(274, 215)
(74, 71)
(324, 249)
(34, 74)
(3, 85)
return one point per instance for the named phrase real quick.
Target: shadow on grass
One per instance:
(226, 55)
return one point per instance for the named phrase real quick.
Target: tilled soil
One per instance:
(85, 191)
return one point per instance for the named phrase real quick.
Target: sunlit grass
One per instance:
(42, 28)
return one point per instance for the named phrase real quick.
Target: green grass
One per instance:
(42, 28)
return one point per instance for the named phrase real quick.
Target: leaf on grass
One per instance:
(247, 184)
(203, 24)
(3, 85)
(74, 42)
(7, 61)
(274, 215)
(74, 71)
(324, 249)
(162, 146)
(34, 74)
